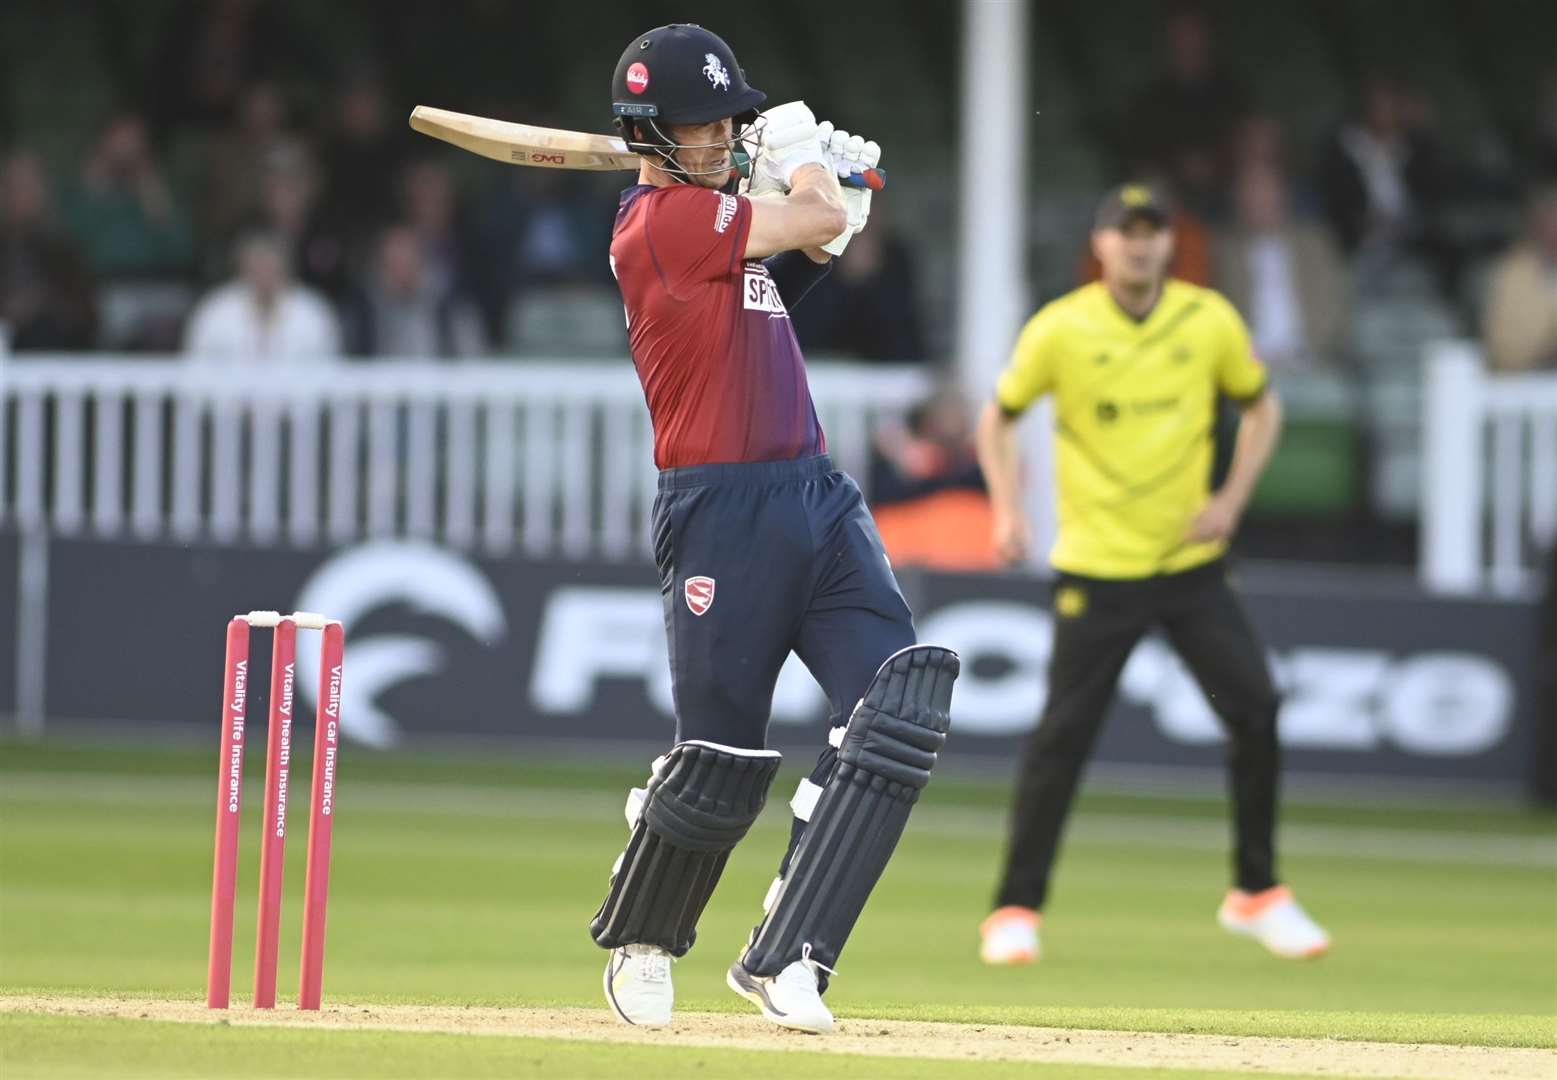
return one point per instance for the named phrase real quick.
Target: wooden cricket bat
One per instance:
(524, 144)
(551, 148)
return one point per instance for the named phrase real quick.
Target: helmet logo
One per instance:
(638, 78)
(716, 72)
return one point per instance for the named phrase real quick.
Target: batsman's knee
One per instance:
(701, 800)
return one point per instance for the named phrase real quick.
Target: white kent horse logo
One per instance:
(716, 72)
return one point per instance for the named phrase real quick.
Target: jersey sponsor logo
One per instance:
(1150, 406)
(638, 78)
(728, 205)
(716, 72)
(761, 293)
(699, 592)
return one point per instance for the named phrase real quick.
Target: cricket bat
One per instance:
(552, 148)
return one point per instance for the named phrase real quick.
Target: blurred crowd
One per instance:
(1382, 213)
(340, 239)
(211, 211)
(204, 214)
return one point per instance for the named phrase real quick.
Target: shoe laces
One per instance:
(653, 963)
(809, 966)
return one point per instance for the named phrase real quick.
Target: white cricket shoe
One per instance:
(637, 985)
(1274, 919)
(1009, 936)
(791, 999)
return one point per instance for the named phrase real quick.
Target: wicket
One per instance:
(278, 755)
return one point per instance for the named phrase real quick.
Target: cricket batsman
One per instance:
(763, 547)
(1135, 363)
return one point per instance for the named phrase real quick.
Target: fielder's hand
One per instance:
(1217, 520)
(1013, 538)
(789, 142)
(848, 154)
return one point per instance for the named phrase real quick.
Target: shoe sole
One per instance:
(743, 984)
(610, 996)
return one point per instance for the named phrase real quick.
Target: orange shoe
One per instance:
(1010, 936)
(1274, 919)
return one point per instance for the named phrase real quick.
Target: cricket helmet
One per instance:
(681, 74)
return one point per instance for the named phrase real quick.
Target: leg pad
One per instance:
(702, 799)
(884, 762)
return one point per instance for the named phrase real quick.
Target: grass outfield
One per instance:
(470, 882)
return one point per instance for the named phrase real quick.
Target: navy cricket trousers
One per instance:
(760, 559)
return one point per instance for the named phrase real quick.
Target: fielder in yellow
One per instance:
(1135, 364)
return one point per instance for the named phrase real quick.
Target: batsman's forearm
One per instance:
(813, 182)
(1000, 459)
(1259, 430)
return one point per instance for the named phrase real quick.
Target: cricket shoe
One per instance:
(791, 999)
(637, 985)
(1274, 919)
(1010, 936)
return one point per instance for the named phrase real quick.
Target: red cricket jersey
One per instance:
(709, 333)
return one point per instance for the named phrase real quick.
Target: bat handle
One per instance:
(871, 179)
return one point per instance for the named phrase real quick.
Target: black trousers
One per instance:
(758, 560)
(1097, 624)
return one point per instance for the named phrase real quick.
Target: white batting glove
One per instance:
(789, 141)
(848, 154)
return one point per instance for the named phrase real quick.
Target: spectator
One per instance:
(1519, 322)
(404, 312)
(362, 153)
(1286, 276)
(869, 306)
(1384, 181)
(241, 158)
(554, 241)
(47, 297)
(537, 227)
(123, 210)
(289, 206)
(927, 493)
(262, 316)
(1180, 124)
(429, 204)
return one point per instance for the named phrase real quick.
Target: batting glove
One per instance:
(848, 154)
(789, 141)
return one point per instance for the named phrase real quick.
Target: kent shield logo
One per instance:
(700, 594)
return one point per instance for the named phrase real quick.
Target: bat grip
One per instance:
(871, 179)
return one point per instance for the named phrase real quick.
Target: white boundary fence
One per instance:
(545, 459)
(1489, 476)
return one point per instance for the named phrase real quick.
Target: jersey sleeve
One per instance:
(696, 235)
(1239, 373)
(1029, 372)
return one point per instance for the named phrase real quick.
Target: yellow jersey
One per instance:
(1134, 407)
